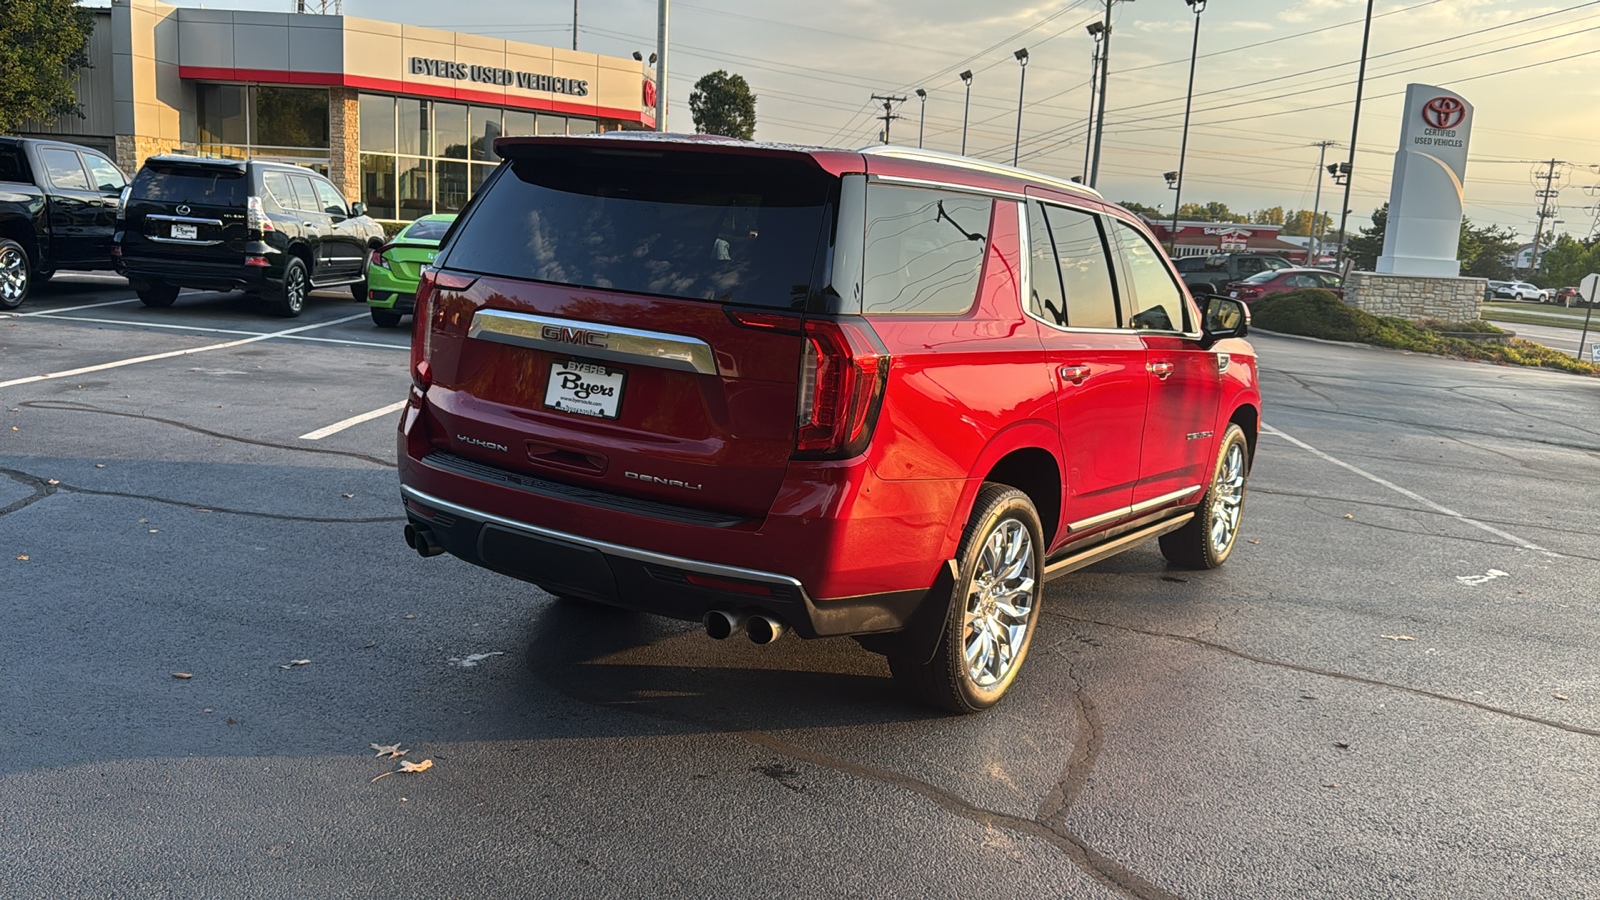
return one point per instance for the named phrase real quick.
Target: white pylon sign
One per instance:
(1425, 196)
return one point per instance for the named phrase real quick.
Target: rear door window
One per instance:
(305, 196)
(924, 250)
(1151, 299)
(728, 228)
(194, 185)
(1080, 253)
(65, 169)
(106, 177)
(13, 165)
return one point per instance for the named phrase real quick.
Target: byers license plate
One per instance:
(186, 232)
(585, 388)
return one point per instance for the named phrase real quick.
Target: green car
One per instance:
(397, 266)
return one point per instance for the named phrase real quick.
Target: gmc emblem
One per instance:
(557, 334)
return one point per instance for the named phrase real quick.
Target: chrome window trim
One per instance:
(629, 345)
(216, 222)
(976, 165)
(944, 186)
(634, 553)
(1153, 502)
(184, 241)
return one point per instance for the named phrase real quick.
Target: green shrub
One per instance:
(1311, 312)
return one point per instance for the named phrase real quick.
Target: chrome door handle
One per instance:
(1161, 370)
(1075, 374)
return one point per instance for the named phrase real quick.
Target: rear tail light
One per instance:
(431, 283)
(377, 257)
(122, 202)
(843, 371)
(255, 216)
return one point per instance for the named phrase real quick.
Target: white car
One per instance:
(1519, 290)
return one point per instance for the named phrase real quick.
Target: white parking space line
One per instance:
(1526, 545)
(342, 424)
(117, 364)
(51, 312)
(201, 328)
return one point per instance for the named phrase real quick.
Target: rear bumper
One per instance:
(398, 301)
(842, 552)
(204, 275)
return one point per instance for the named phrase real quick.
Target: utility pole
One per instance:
(1355, 125)
(1316, 206)
(1100, 116)
(661, 65)
(574, 24)
(1545, 196)
(1094, 89)
(888, 111)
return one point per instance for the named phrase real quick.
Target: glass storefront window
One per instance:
(289, 117)
(452, 186)
(220, 109)
(377, 181)
(480, 174)
(552, 124)
(450, 130)
(377, 125)
(483, 126)
(414, 183)
(518, 122)
(580, 126)
(412, 122)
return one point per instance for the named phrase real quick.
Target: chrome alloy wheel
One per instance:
(999, 604)
(294, 289)
(1227, 499)
(13, 276)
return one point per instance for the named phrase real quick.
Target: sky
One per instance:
(1273, 77)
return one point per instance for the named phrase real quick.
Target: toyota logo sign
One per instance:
(650, 93)
(1444, 112)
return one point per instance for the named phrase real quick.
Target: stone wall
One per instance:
(133, 150)
(1415, 297)
(344, 141)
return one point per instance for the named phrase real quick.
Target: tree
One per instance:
(722, 104)
(1484, 252)
(1365, 247)
(1210, 212)
(1140, 209)
(1301, 223)
(46, 43)
(1273, 216)
(1567, 261)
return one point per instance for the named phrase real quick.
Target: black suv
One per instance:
(218, 224)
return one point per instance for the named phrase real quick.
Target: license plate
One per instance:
(186, 232)
(1233, 294)
(586, 388)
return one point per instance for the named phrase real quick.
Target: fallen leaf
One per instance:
(144, 521)
(201, 509)
(1561, 697)
(349, 496)
(388, 750)
(184, 675)
(23, 557)
(1342, 745)
(1398, 637)
(409, 616)
(1348, 516)
(155, 531)
(1331, 785)
(1308, 696)
(52, 481)
(296, 662)
(207, 709)
(409, 767)
(99, 465)
(229, 721)
(1255, 542)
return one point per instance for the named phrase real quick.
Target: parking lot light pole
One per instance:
(966, 78)
(1355, 125)
(922, 116)
(1096, 31)
(1199, 6)
(1022, 84)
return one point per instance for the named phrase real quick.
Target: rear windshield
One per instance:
(202, 187)
(704, 226)
(425, 231)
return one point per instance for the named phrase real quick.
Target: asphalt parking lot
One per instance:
(1392, 689)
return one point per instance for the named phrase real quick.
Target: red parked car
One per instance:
(1263, 283)
(774, 388)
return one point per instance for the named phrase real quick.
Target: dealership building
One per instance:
(400, 117)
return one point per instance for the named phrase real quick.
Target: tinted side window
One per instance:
(305, 197)
(13, 165)
(924, 250)
(1044, 273)
(107, 177)
(1085, 268)
(1251, 266)
(328, 198)
(279, 188)
(1328, 280)
(1151, 300)
(66, 172)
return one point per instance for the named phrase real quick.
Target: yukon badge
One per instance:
(477, 443)
(669, 482)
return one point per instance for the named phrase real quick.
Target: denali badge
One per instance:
(558, 334)
(670, 482)
(475, 442)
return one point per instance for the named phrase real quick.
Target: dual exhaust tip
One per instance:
(722, 624)
(422, 541)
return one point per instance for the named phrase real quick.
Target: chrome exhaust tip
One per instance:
(764, 629)
(721, 624)
(421, 540)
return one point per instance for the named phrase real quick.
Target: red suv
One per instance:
(884, 394)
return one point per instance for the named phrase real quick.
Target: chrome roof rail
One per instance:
(977, 165)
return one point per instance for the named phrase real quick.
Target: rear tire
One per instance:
(384, 318)
(993, 608)
(359, 291)
(16, 274)
(1208, 539)
(157, 295)
(289, 300)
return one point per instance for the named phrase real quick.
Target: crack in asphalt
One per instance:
(1327, 673)
(42, 489)
(1404, 422)
(1063, 795)
(69, 406)
(1303, 385)
(1433, 534)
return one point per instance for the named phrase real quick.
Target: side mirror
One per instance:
(1224, 317)
(358, 209)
